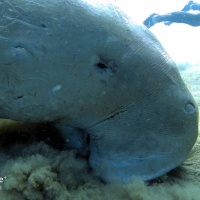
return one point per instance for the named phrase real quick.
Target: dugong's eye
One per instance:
(104, 67)
(101, 66)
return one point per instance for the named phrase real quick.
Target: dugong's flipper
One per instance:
(75, 138)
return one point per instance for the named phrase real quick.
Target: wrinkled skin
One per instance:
(95, 74)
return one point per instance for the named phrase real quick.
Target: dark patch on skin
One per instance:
(88, 139)
(43, 25)
(18, 97)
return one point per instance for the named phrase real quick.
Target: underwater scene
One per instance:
(99, 100)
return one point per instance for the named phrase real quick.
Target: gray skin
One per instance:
(88, 68)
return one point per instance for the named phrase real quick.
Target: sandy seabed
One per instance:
(37, 172)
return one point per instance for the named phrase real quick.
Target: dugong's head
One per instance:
(86, 65)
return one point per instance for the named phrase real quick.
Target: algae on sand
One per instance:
(40, 172)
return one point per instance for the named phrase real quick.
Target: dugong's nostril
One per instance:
(190, 108)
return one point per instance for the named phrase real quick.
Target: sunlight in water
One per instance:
(180, 40)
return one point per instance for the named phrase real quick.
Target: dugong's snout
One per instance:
(153, 135)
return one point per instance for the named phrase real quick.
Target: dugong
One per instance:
(103, 80)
